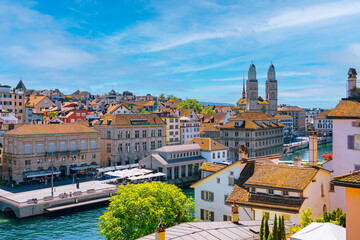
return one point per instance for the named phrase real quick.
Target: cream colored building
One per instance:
(32, 149)
(127, 138)
(14, 100)
(261, 134)
(298, 115)
(172, 130)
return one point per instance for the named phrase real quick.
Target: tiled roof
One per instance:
(290, 109)
(207, 144)
(44, 129)
(115, 107)
(208, 127)
(211, 167)
(249, 119)
(242, 101)
(282, 116)
(34, 100)
(179, 148)
(323, 114)
(348, 180)
(346, 109)
(130, 119)
(271, 176)
(185, 112)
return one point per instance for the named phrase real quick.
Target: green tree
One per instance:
(270, 237)
(275, 229)
(144, 111)
(305, 218)
(283, 229)
(208, 110)
(172, 97)
(336, 217)
(162, 96)
(190, 104)
(261, 233)
(136, 210)
(266, 226)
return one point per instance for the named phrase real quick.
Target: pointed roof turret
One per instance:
(20, 86)
(252, 72)
(243, 93)
(271, 73)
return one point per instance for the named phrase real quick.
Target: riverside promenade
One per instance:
(37, 202)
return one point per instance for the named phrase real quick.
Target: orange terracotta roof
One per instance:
(346, 109)
(211, 167)
(207, 144)
(348, 180)
(249, 120)
(290, 109)
(48, 129)
(242, 101)
(282, 116)
(323, 114)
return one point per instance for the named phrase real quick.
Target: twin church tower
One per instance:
(251, 101)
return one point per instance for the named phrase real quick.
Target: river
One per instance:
(83, 225)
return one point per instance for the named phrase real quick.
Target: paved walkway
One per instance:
(45, 192)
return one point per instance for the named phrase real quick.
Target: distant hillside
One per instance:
(216, 104)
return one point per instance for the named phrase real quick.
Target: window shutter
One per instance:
(202, 214)
(212, 216)
(212, 196)
(202, 195)
(351, 141)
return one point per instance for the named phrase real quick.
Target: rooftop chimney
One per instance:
(160, 232)
(351, 82)
(235, 213)
(243, 152)
(313, 148)
(297, 161)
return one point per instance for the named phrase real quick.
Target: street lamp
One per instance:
(52, 177)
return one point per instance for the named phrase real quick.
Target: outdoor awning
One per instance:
(40, 173)
(84, 167)
(151, 175)
(128, 173)
(109, 169)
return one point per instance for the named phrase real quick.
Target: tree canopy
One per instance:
(208, 110)
(190, 104)
(136, 210)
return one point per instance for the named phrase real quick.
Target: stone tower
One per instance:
(351, 82)
(272, 90)
(252, 91)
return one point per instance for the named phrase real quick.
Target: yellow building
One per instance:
(352, 183)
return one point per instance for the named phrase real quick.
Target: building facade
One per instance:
(259, 133)
(14, 100)
(288, 123)
(298, 115)
(212, 150)
(172, 130)
(127, 138)
(323, 125)
(30, 151)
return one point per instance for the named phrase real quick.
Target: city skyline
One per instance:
(195, 50)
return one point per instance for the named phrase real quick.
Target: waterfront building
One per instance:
(250, 100)
(212, 150)
(31, 150)
(323, 125)
(260, 186)
(298, 115)
(261, 134)
(180, 163)
(288, 123)
(127, 138)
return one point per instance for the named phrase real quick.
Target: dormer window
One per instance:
(285, 193)
(271, 191)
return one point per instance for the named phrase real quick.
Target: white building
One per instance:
(260, 186)
(189, 124)
(288, 124)
(322, 125)
(7, 117)
(212, 150)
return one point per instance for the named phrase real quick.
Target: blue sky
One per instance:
(193, 49)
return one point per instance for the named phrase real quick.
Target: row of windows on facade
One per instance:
(191, 130)
(325, 125)
(187, 124)
(268, 152)
(185, 154)
(191, 169)
(9, 103)
(127, 134)
(62, 159)
(8, 96)
(218, 155)
(172, 127)
(247, 134)
(171, 133)
(173, 139)
(261, 143)
(127, 146)
(171, 120)
(40, 147)
(41, 161)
